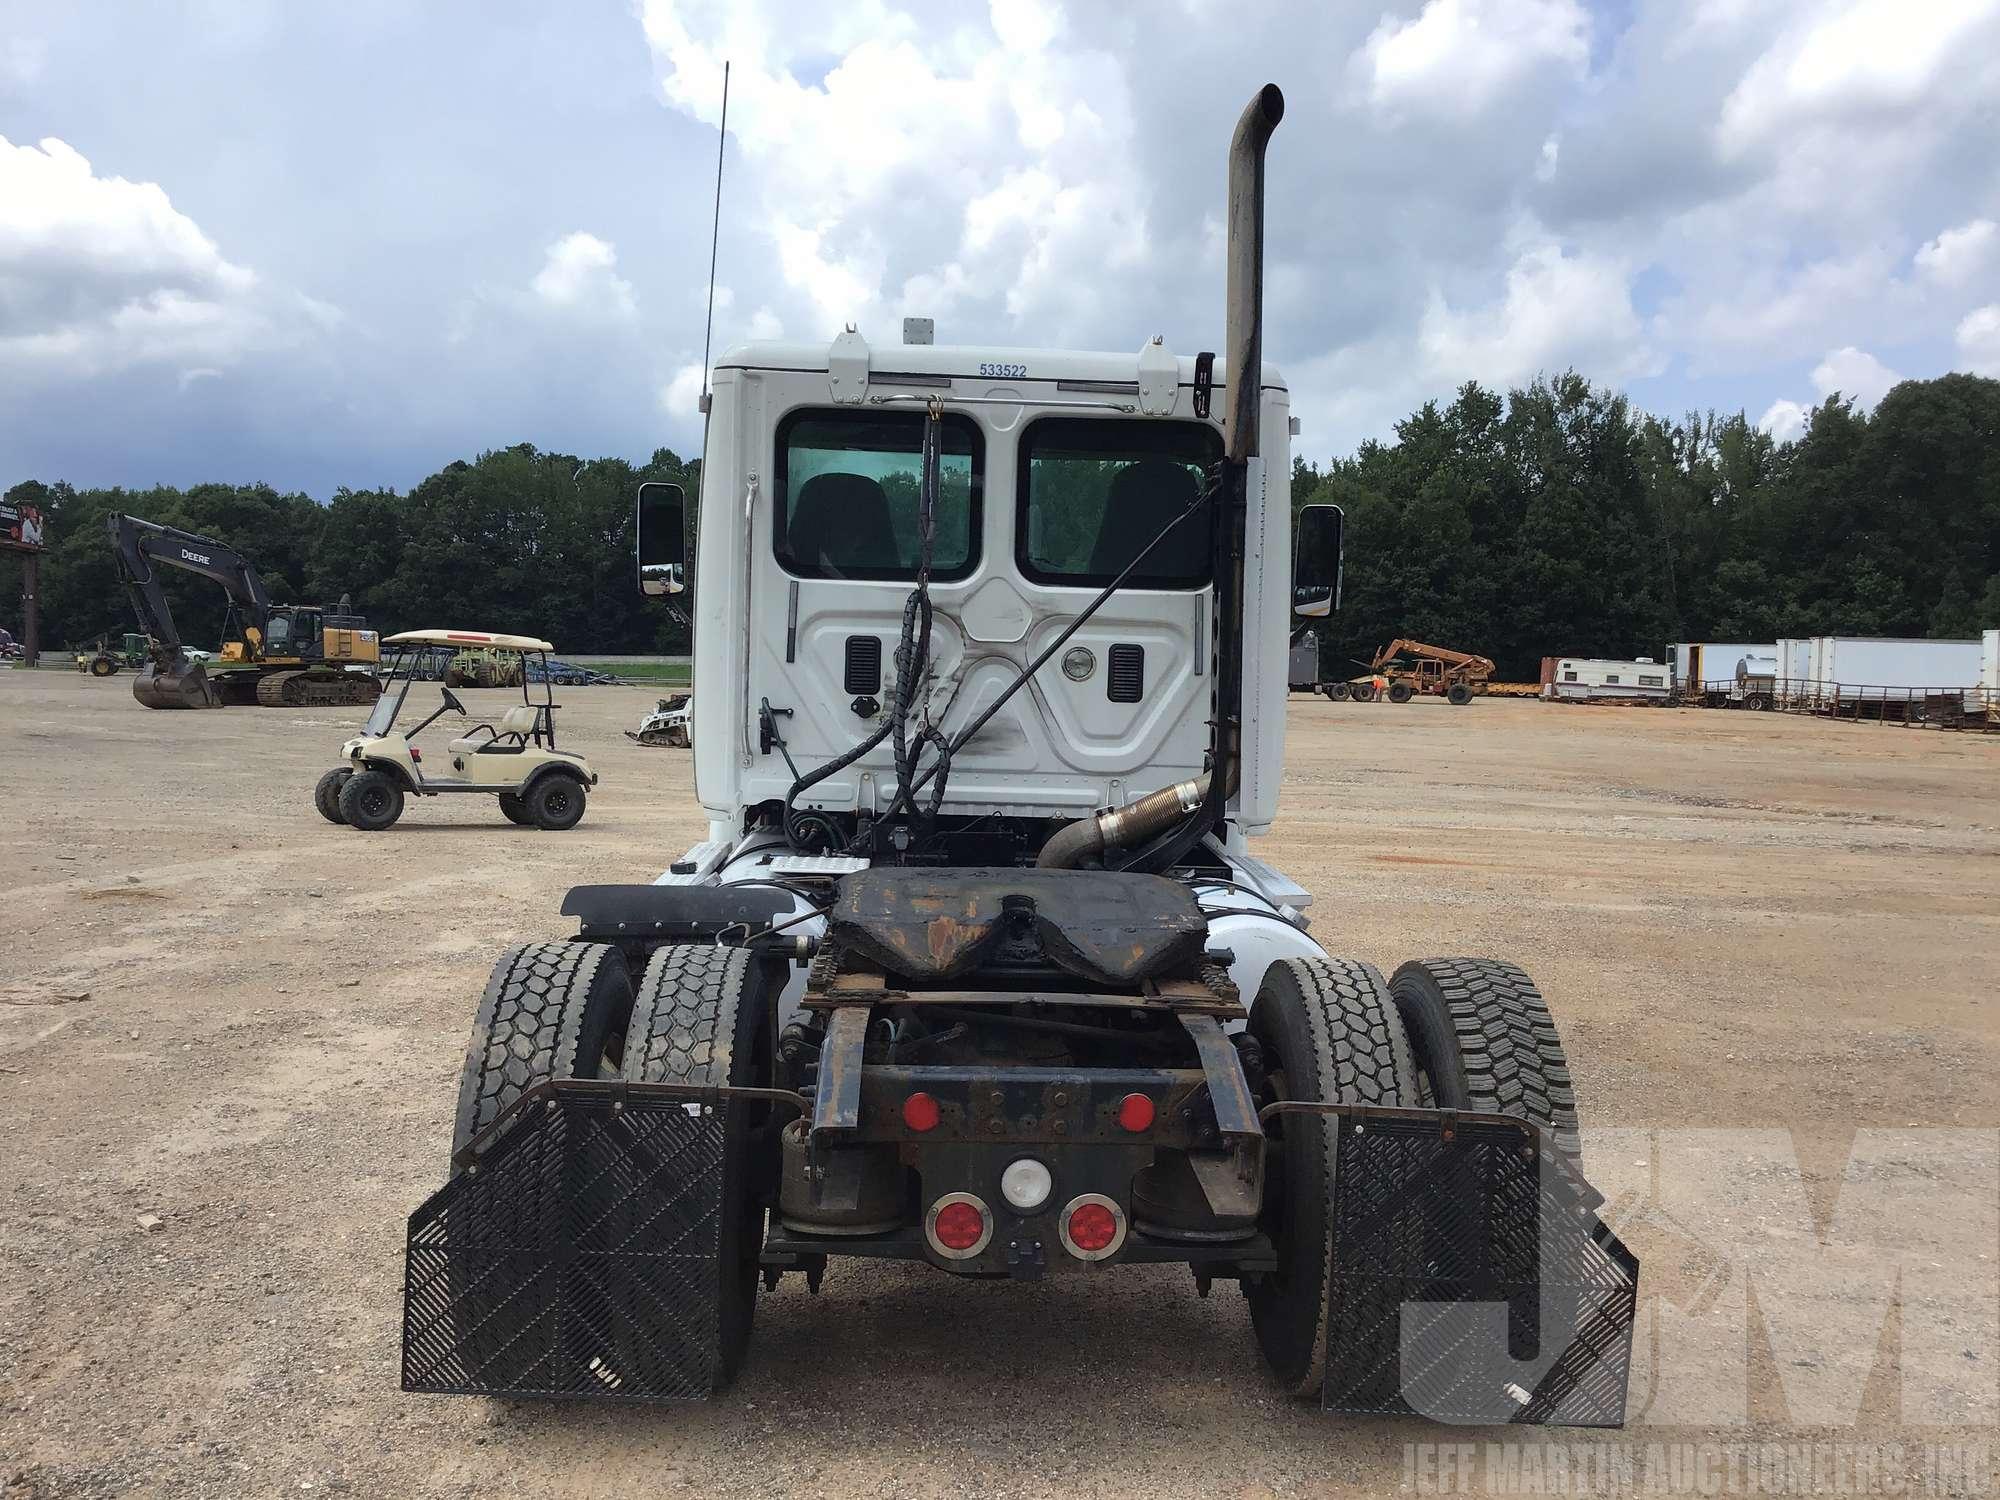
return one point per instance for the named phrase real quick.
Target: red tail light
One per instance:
(1093, 1227)
(958, 1226)
(920, 1112)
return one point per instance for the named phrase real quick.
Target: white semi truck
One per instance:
(975, 967)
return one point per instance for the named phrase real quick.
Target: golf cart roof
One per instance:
(467, 638)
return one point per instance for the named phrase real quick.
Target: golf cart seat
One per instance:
(517, 727)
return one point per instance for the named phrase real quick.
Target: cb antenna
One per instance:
(715, 236)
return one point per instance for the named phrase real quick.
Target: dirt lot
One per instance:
(217, 1009)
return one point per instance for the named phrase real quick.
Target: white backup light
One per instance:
(1026, 1184)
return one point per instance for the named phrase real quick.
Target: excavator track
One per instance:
(310, 688)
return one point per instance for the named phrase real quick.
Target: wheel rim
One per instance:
(556, 801)
(374, 801)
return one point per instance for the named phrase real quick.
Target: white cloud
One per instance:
(99, 273)
(580, 275)
(1958, 256)
(22, 60)
(1557, 310)
(901, 168)
(1458, 56)
(680, 397)
(1854, 372)
(199, 373)
(1784, 420)
(1843, 62)
(1979, 340)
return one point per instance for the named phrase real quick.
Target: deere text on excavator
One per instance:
(277, 655)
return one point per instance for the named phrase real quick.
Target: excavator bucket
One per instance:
(185, 685)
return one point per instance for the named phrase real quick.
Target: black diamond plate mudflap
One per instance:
(575, 1252)
(1472, 1280)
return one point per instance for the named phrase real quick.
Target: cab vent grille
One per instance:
(1126, 682)
(864, 664)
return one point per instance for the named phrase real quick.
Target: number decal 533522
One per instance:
(1005, 372)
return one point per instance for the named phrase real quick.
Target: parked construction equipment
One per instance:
(671, 724)
(279, 655)
(102, 659)
(1414, 667)
(917, 997)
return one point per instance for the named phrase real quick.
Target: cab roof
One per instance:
(467, 638)
(965, 362)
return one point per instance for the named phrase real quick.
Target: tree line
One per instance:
(517, 540)
(1557, 520)
(1553, 519)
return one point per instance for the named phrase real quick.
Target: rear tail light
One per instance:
(1093, 1227)
(1135, 1113)
(958, 1226)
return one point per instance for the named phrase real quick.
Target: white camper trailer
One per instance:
(1579, 679)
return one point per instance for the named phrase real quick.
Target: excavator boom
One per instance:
(172, 679)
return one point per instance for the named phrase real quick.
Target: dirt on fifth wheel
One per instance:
(1743, 920)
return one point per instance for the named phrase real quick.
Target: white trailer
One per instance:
(1582, 679)
(1888, 674)
(1989, 673)
(1794, 669)
(1709, 667)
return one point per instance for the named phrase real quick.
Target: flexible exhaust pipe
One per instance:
(1122, 827)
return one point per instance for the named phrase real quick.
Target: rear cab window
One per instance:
(848, 484)
(1092, 492)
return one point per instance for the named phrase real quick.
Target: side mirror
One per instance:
(661, 538)
(1317, 556)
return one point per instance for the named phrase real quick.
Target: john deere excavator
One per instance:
(279, 655)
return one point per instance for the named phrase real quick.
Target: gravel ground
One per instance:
(220, 1012)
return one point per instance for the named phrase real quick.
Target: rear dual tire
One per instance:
(1330, 1033)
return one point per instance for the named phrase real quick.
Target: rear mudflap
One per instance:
(1472, 1280)
(576, 1252)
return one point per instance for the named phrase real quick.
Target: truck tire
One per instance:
(1330, 1033)
(1338, 692)
(555, 802)
(551, 1010)
(103, 666)
(1401, 692)
(1485, 1041)
(701, 1015)
(516, 810)
(371, 801)
(326, 793)
(1362, 692)
(1458, 695)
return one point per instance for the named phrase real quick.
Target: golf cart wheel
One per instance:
(555, 802)
(1485, 1041)
(1362, 692)
(103, 666)
(1330, 1033)
(516, 810)
(1458, 695)
(1401, 692)
(1338, 692)
(371, 801)
(551, 1010)
(326, 793)
(702, 1015)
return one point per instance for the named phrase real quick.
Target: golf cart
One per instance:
(538, 785)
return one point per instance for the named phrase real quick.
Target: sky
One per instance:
(341, 245)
